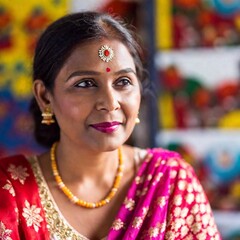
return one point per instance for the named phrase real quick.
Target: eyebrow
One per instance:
(83, 73)
(126, 70)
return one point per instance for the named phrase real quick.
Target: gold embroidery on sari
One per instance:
(32, 215)
(58, 227)
(18, 173)
(145, 210)
(4, 232)
(129, 204)
(137, 222)
(118, 224)
(153, 232)
(8, 186)
(190, 215)
(161, 201)
(157, 178)
(157, 230)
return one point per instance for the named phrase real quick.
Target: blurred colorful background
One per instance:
(192, 49)
(21, 22)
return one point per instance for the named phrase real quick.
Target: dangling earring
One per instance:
(47, 116)
(137, 120)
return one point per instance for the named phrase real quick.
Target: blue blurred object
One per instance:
(223, 162)
(16, 126)
(234, 236)
(226, 7)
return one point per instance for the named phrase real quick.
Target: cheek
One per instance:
(67, 109)
(137, 99)
(133, 104)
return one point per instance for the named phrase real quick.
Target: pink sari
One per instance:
(165, 201)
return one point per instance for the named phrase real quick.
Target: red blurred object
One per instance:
(206, 17)
(5, 19)
(187, 3)
(37, 21)
(226, 90)
(181, 112)
(125, 9)
(171, 78)
(202, 98)
(5, 30)
(34, 25)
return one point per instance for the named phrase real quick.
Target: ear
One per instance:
(42, 94)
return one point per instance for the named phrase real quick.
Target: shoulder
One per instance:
(167, 158)
(16, 159)
(17, 172)
(165, 162)
(15, 166)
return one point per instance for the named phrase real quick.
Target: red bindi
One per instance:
(108, 69)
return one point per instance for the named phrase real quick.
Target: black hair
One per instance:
(56, 44)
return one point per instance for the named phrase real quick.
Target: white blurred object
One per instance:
(80, 5)
(228, 223)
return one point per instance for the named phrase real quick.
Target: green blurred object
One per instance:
(191, 85)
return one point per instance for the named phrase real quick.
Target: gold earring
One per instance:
(137, 120)
(47, 116)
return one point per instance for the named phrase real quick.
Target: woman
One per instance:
(87, 84)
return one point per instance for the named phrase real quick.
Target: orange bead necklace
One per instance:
(75, 199)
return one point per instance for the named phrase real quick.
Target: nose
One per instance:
(108, 100)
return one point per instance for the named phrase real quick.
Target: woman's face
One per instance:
(96, 102)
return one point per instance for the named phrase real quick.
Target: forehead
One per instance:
(87, 55)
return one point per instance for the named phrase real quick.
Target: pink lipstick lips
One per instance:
(106, 127)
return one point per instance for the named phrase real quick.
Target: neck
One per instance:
(77, 164)
(73, 197)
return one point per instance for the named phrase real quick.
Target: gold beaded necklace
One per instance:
(75, 199)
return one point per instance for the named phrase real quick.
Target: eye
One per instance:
(86, 83)
(123, 82)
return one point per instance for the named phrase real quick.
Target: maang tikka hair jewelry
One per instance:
(106, 53)
(47, 116)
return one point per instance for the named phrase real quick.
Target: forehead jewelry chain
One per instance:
(75, 199)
